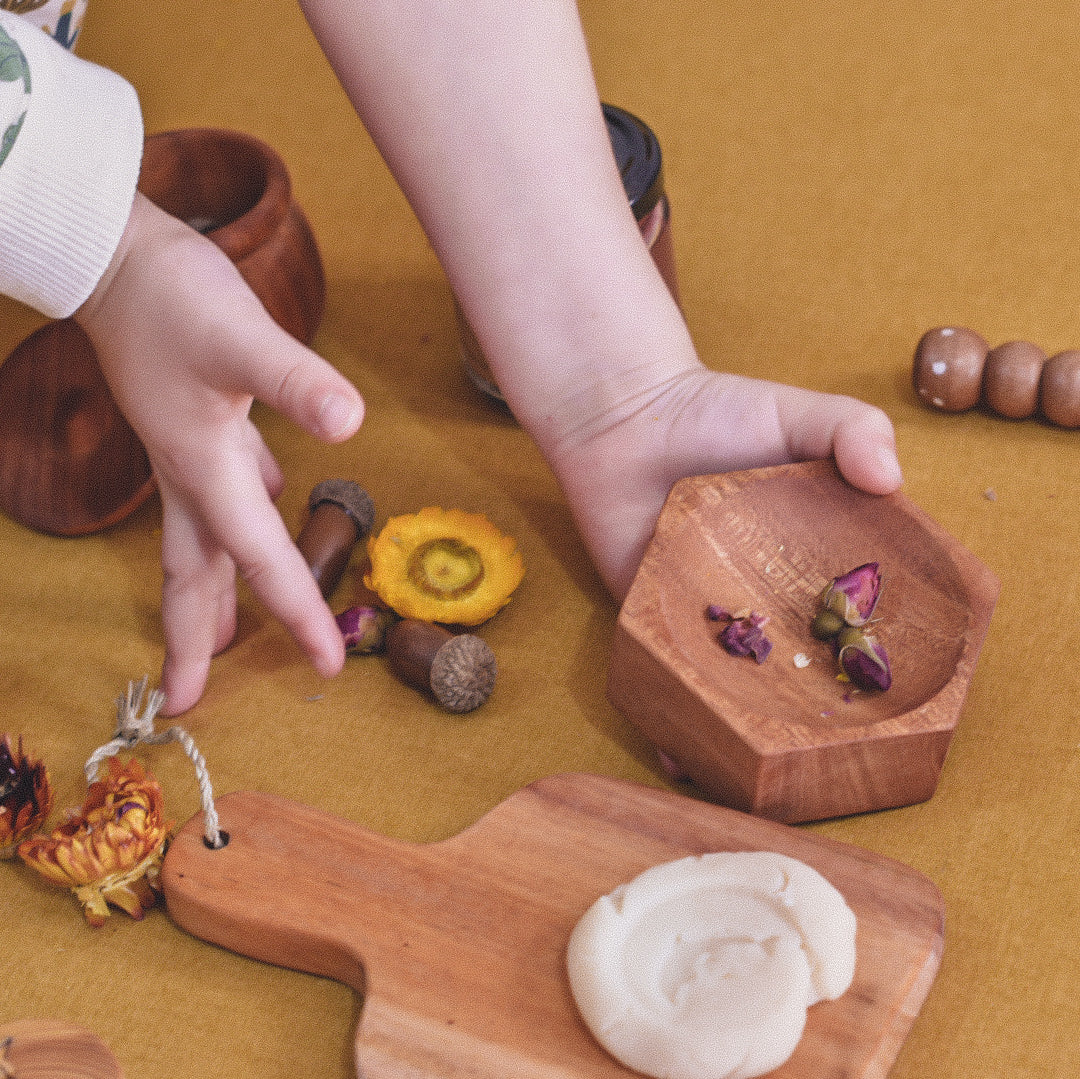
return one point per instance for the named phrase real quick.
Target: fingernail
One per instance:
(339, 415)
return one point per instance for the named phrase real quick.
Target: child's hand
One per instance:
(617, 468)
(582, 335)
(186, 347)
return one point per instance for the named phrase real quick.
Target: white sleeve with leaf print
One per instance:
(71, 139)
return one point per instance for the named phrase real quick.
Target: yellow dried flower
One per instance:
(111, 850)
(26, 796)
(444, 566)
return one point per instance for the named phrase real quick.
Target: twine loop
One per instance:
(137, 728)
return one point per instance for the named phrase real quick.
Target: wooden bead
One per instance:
(1059, 390)
(1011, 379)
(948, 368)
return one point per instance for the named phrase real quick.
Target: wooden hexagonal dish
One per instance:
(787, 739)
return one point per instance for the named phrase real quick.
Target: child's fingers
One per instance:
(273, 477)
(248, 537)
(864, 446)
(198, 605)
(298, 383)
(246, 524)
(859, 436)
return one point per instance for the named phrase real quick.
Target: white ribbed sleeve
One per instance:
(68, 181)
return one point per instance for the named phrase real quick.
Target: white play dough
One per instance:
(703, 968)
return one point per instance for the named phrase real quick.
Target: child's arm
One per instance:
(71, 141)
(488, 115)
(182, 340)
(186, 347)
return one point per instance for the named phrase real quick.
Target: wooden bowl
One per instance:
(780, 739)
(236, 189)
(69, 463)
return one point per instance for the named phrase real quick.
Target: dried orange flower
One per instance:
(444, 566)
(26, 796)
(111, 850)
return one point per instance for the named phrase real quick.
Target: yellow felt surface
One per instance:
(844, 176)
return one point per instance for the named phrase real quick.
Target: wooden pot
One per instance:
(70, 465)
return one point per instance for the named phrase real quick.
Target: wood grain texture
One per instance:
(236, 189)
(52, 1049)
(458, 946)
(69, 462)
(778, 740)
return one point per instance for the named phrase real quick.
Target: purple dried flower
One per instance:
(854, 595)
(865, 662)
(745, 637)
(364, 629)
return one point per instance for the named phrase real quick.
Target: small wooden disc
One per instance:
(50, 1049)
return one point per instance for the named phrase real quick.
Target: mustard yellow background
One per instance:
(844, 176)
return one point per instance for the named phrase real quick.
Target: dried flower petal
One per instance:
(110, 851)
(444, 566)
(854, 595)
(364, 629)
(745, 637)
(864, 661)
(26, 796)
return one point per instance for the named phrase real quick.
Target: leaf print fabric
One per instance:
(14, 92)
(69, 160)
(22, 7)
(60, 19)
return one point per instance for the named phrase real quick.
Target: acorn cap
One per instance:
(463, 673)
(349, 497)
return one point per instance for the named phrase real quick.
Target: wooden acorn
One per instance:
(955, 369)
(340, 514)
(457, 669)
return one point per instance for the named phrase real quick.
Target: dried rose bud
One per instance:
(864, 661)
(364, 629)
(854, 595)
(745, 637)
(26, 796)
(826, 625)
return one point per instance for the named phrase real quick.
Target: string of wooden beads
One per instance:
(955, 369)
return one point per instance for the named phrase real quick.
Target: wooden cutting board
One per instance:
(458, 946)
